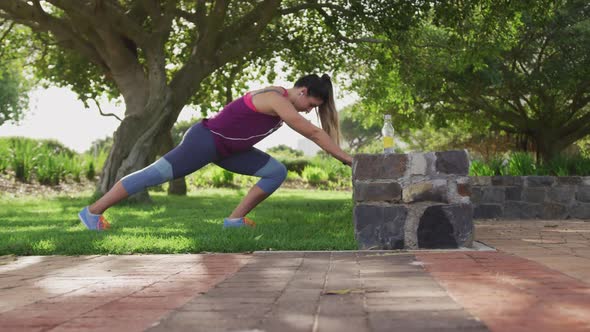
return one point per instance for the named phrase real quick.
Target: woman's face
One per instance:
(305, 103)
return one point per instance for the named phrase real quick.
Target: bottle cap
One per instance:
(387, 116)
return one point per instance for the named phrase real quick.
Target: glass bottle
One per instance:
(387, 132)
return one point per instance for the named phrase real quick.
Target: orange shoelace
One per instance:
(248, 222)
(103, 224)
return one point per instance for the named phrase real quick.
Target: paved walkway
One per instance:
(538, 280)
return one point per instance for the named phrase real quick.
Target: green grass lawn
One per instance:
(288, 220)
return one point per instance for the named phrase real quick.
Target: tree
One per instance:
(356, 133)
(159, 55)
(519, 67)
(285, 151)
(14, 87)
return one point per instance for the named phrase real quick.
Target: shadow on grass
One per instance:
(172, 224)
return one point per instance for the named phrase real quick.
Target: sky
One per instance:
(56, 113)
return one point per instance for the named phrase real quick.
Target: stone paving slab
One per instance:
(103, 293)
(538, 280)
(558, 244)
(324, 291)
(510, 293)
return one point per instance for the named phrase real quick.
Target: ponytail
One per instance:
(322, 88)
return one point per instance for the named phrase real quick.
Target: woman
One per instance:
(228, 139)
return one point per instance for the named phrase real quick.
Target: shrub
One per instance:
(73, 166)
(295, 165)
(315, 175)
(221, 177)
(4, 157)
(581, 166)
(521, 163)
(90, 171)
(49, 169)
(293, 176)
(480, 168)
(22, 157)
(498, 166)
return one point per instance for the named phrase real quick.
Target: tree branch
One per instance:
(339, 36)
(34, 17)
(313, 5)
(4, 36)
(105, 114)
(106, 12)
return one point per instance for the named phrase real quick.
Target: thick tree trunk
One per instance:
(549, 146)
(135, 142)
(177, 186)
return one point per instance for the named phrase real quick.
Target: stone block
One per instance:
(446, 226)
(540, 181)
(452, 162)
(491, 195)
(432, 191)
(379, 166)
(586, 180)
(393, 192)
(554, 211)
(521, 210)
(561, 194)
(513, 193)
(583, 194)
(534, 194)
(464, 189)
(418, 164)
(477, 195)
(380, 226)
(580, 211)
(481, 180)
(507, 180)
(569, 180)
(377, 191)
(458, 190)
(487, 211)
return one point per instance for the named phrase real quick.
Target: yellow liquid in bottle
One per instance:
(387, 142)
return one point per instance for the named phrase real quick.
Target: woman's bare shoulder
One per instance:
(268, 89)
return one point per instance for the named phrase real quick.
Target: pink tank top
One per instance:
(239, 125)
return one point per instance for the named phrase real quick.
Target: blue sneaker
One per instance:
(238, 222)
(92, 221)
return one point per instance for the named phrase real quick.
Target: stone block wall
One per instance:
(531, 197)
(412, 201)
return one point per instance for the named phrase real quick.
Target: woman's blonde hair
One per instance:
(321, 87)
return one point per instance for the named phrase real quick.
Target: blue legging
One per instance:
(196, 150)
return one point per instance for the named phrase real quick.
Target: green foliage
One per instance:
(498, 165)
(22, 158)
(50, 163)
(47, 161)
(293, 159)
(518, 67)
(339, 175)
(521, 163)
(14, 86)
(284, 151)
(221, 177)
(315, 175)
(49, 169)
(293, 176)
(563, 165)
(90, 171)
(355, 132)
(480, 168)
(295, 165)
